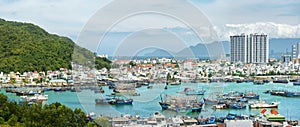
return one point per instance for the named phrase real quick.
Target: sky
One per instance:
(72, 18)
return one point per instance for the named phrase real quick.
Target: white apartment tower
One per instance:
(298, 50)
(253, 48)
(294, 52)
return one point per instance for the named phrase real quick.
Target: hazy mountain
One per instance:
(277, 46)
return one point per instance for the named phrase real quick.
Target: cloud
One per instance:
(272, 29)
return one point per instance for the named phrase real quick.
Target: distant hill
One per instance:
(277, 46)
(27, 47)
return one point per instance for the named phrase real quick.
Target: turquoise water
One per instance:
(147, 103)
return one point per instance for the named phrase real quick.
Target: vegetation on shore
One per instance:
(26, 47)
(38, 115)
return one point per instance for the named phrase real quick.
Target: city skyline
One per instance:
(278, 19)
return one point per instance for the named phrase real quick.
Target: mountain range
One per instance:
(277, 47)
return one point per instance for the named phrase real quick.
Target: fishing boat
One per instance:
(114, 101)
(251, 96)
(263, 104)
(181, 104)
(281, 81)
(210, 101)
(219, 106)
(291, 94)
(296, 83)
(175, 83)
(102, 100)
(189, 91)
(120, 101)
(258, 82)
(27, 92)
(237, 106)
(36, 97)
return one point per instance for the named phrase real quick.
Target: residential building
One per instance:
(253, 48)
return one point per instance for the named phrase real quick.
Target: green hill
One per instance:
(27, 47)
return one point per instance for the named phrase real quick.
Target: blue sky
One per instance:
(277, 18)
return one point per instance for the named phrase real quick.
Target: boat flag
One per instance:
(263, 111)
(273, 111)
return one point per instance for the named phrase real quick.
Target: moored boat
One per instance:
(296, 83)
(258, 82)
(251, 96)
(181, 104)
(263, 104)
(189, 91)
(119, 101)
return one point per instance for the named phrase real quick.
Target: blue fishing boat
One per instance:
(237, 106)
(120, 101)
(211, 120)
(296, 83)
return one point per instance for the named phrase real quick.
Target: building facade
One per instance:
(294, 52)
(298, 50)
(253, 48)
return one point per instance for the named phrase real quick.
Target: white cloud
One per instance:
(272, 29)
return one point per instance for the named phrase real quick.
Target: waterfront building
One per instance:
(253, 48)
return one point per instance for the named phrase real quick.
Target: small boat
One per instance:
(36, 98)
(211, 120)
(296, 83)
(102, 100)
(237, 106)
(258, 82)
(281, 81)
(219, 106)
(263, 104)
(59, 89)
(181, 104)
(210, 101)
(149, 87)
(239, 81)
(175, 83)
(291, 94)
(189, 91)
(119, 101)
(266, 81)
(166, 87)
(251, 96)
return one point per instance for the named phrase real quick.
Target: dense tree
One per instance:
(38, 115)
(27, 47)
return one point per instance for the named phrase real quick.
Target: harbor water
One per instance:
(147, 103)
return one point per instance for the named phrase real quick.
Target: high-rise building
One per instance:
(294, 52)
(298, 50)
(253, 48)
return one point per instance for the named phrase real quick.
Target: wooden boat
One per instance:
(181, 104)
